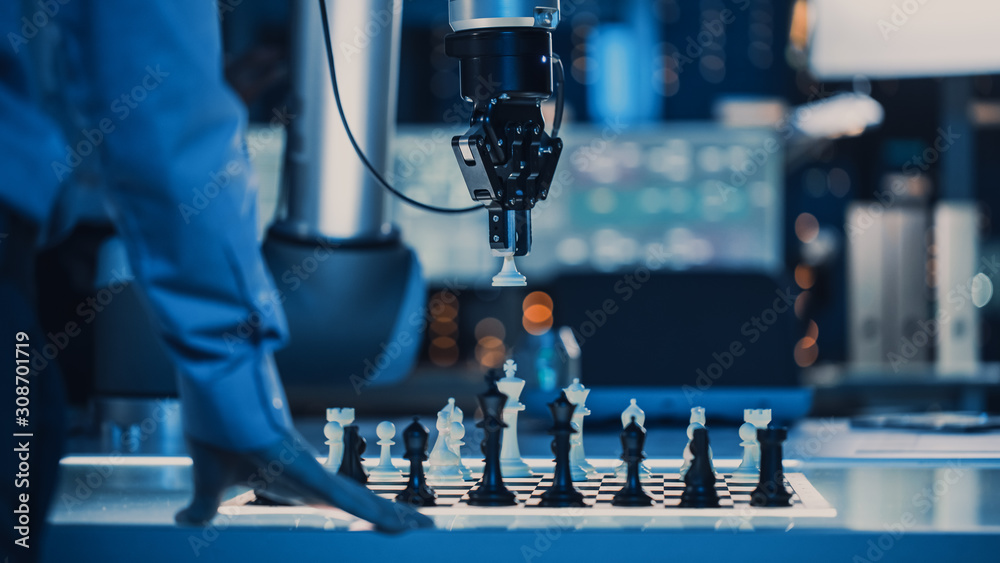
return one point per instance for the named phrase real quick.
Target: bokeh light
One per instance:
(806, 227)
(806, 352)
(443, 350)
(537, 298)
(490, 349)
(804, 276)
(490, 326)
(537, 307)
(801, 302)
(812, 331)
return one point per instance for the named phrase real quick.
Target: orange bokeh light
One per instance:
(806, 352)
(491, 358)
(804, 276)
(813, 330)
(444, 328)
(801, 302)
(443, 342)
(490, 327)
(443, 357)
(489, 342)
(537, 329)
(537, 314)
(806, 227)
(536, 298)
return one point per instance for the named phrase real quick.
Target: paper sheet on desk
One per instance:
(830, 439)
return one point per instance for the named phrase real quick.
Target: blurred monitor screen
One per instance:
(903, 38)
(706, 196)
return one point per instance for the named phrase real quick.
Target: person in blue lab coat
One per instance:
(162, 121)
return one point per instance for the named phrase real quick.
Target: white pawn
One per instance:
(455, 415)
(753, 420)
(633, 411)
(748, 468)
(455, 436)
(697, 421)
(580, 468)
(443, 463)
(340, 418)
(511, 464)
(385, 470)
(334, 433)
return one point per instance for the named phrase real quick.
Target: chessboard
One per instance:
(665, 489)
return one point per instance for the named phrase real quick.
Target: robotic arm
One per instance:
(504, 49)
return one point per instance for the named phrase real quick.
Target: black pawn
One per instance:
(633, 438)
(562, 492)
(416, 493)
(771, 489)
(351, 464)
(699, 481)
(491, 491)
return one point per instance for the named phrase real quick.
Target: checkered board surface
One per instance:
(665, 489)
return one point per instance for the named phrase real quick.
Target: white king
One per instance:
(511, 464)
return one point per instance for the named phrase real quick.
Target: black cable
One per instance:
(560, 95)
(354, 143)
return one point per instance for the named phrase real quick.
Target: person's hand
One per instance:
(287, 472)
